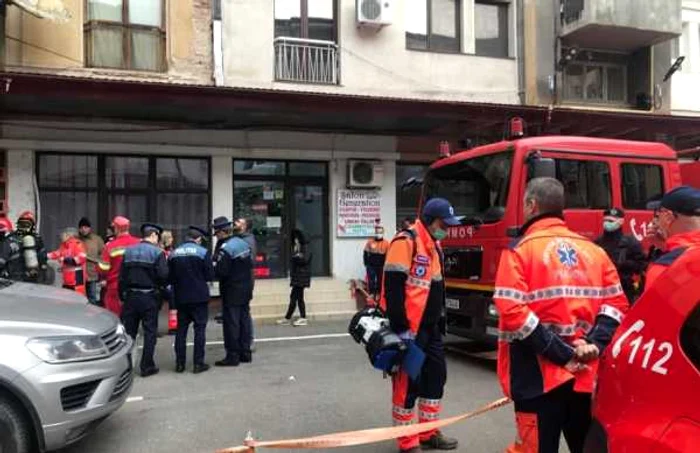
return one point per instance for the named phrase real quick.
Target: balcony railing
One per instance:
(307, 61)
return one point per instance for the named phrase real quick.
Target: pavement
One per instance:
(304, 381)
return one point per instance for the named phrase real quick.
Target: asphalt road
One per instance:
(294, 388)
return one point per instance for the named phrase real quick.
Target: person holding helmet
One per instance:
(111, 261)
(29, 262)
(677, 219)
(413, 299)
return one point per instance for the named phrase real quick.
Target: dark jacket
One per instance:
(628, 256)
(16, 267)
(143, 270)
(191, 269)
(250, 240)
(234, 270)
(300, 271)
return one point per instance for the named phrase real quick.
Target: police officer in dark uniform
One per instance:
(142, 277)
(624, 250)
(191, 269)
(233, 269)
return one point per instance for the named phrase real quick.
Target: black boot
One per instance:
(439, 441)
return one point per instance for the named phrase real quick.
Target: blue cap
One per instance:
(150, 228)
(684, 200)
(439, 208)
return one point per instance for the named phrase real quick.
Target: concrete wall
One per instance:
(20, 182)
(659, 15)
(38, 45)
(373, 62)
(685, 83)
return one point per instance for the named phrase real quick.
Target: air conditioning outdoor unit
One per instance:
(374, 13)
(365, 174)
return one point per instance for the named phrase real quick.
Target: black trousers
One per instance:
(237, 323)
(545, 418)
(142, 309)
(296, 297)
(197, 314)
(374, 280)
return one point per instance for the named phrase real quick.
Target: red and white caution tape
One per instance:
(362, 437)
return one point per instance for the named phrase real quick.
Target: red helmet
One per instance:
(5, 225)
(27, 215)
(121, 224)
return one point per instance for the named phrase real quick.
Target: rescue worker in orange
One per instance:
(677, 218)
(73, 260)
(111, 262)
(413, 300)
(374, 257)
(560, 300)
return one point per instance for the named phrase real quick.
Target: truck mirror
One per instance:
(543, 167)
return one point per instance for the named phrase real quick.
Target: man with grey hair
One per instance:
(560, 300)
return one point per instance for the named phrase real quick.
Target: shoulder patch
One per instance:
(670, 257)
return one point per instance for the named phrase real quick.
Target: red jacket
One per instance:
(553, 287)
(676, 245)
(71, 255)
(112, 257)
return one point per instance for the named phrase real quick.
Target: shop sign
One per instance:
(358, 211)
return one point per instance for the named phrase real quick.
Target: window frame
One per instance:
(304, 20)
(429, 18)
(501, 3)
(90, 25)
(623, 190)
(605, 99)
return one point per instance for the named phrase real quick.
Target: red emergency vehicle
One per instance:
(647, 399)
(487, 184)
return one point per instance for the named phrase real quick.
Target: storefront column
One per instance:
(222, 186)
(20, 183)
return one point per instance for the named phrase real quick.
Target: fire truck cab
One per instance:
(487, 184)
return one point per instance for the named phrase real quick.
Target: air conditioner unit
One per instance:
(365, 174)
(374, 13)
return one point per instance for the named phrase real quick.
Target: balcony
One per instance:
(621, 25)
(307, 61)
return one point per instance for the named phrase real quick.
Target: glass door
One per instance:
(310, 210)
(263, 202)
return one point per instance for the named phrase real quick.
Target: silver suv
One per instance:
(64, 367)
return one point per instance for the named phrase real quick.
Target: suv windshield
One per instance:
(477, 188)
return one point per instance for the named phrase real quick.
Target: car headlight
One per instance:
(493, 312)
(68, 349)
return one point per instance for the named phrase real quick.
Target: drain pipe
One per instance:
(217, 44)
(520, 36)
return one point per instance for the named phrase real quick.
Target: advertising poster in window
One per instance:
(358, 211)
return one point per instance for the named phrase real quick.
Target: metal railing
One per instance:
(572, 10)
(307, 61)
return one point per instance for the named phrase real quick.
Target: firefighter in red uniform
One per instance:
(111, 262)
(560, 300)
(73, 260)
(413, 299)
(677, 218)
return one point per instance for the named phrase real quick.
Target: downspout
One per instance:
(217, 44)
(520, 34)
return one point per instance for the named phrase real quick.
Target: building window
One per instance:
(433, 25)
(641, 184)
(595, 82)
(586, 183)
(173, 192)
(125, 34)
(491, 32)
(306, 19)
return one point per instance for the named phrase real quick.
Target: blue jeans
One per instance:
(91, 293)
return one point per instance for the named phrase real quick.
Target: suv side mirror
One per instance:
(543, 167)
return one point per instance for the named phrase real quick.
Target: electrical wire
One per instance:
(47, 50)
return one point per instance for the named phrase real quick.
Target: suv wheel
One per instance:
(15, 434)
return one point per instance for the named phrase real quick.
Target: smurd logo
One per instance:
(567, 255)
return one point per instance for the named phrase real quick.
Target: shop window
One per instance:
(182, 174)
(125, 34)
(127, 172)
(641, 184)
(317, 169)
(690, 337)
(258, 168)
(491, 32)
(433, 25)
(586, 183)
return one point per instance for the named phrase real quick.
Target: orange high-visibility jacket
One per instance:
(553, 286)
(375, 252)
(677, 245)
(112, 256)
(413, 265)
(71, 255)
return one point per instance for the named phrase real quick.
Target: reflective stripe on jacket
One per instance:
(112, 257)
(553, 286)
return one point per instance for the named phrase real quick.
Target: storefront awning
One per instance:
(53, 10)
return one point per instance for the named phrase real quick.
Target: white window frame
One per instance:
(605, 67)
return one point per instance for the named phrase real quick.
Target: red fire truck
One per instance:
(486, 185)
